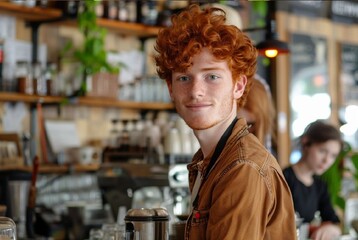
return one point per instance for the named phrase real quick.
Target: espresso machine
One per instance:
(126, 185)
(14, 191)
(130, 185)
(179, 185)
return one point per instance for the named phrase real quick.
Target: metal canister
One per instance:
(147, 224)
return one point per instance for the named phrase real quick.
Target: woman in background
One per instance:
(320, 145)
(259, 112)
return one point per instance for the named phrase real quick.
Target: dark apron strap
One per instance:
(218, 149)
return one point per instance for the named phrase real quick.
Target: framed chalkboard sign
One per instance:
(349, 74)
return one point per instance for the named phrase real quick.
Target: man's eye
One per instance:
(213, 77)
(183, 78)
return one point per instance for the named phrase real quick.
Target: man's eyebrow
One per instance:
(211, 68)
(206, 69)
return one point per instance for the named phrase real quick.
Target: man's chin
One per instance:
(197, 122)
(199, 126)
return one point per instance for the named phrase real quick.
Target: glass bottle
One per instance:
(49, 78)
(71, 8)
(99, 9)
(39, 84)
(132, 10)
(1, 64)
(23, 77)
(149, 12)
(114, 133)
(122, 11)
(111, 9)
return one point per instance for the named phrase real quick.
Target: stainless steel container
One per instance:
(147, 224)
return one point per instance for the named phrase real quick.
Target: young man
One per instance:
(238, 190)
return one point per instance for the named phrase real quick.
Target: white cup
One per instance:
(172, 143)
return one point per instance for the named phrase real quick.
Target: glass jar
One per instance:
(7, 228)
(113, 231)
(96, 234)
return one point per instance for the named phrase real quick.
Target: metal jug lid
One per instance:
(147, 214)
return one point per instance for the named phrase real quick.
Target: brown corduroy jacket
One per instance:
(245, 195)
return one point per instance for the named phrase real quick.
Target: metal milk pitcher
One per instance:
(147, 224)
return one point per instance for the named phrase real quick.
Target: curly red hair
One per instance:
(196, 28)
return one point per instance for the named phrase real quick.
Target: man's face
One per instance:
(205, 94)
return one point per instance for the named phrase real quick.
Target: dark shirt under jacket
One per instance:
(309, 199)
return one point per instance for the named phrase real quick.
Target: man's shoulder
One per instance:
(252, 150)
(249, 151)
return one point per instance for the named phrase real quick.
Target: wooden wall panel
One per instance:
(335, 33)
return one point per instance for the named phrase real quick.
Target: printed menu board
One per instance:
(349, 74)
(309, 95)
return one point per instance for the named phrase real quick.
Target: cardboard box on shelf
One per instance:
(103, 85)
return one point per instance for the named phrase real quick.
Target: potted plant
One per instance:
(335, 174)
(92, 55)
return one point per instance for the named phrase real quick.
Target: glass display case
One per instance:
(309, 89)
(348, 113)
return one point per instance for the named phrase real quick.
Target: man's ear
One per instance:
(239, 86)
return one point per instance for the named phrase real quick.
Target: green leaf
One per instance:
(266, 62)
(68, 46)
(92, 54)
(334, 175)
(333, 178)
(260, 7)
(354, 158)
(340, 202)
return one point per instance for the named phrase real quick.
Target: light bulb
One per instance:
(271, 53)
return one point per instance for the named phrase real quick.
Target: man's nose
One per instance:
(197, 88)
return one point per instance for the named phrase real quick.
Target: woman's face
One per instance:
(320, 156)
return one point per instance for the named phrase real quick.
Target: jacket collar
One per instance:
(199, 163)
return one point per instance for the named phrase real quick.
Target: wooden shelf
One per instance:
(18, 97)
(125, 104)
(133, 29)
(59, 169)
(34, 14)
(87, 101)
(124, 28)
(29, 13)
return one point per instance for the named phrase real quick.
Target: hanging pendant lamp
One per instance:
(271, 46)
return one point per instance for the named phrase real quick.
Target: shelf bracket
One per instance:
(35, 40)
(35, 25)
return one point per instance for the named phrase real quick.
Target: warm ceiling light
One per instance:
(272, 47)
(271, 53)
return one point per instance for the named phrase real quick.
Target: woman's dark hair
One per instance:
(320, 131)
